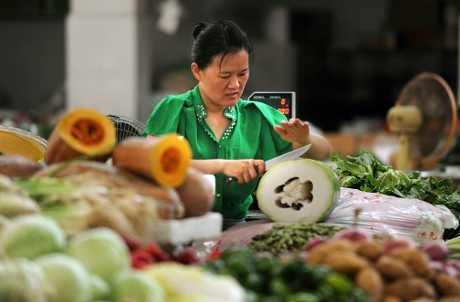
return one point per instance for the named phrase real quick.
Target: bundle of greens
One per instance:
(291, 280)
(366, 173)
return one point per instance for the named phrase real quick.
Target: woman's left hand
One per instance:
(294, 131)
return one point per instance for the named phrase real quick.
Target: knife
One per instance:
(291, 155)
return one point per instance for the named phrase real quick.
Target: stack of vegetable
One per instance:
(366, 173)
(151, 179)
(194, 284)
(39, 264)
(389, 269)
(270, 279)
(283, 238)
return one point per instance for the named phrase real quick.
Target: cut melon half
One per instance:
(302, 190)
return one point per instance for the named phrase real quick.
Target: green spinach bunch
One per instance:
(366, 173)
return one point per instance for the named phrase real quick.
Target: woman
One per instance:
(230, 137)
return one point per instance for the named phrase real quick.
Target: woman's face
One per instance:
(222, 82)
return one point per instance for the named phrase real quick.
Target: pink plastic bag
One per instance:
(399, 217)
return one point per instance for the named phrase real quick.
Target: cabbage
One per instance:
(136, 286)
(21, 281)
(102, 251)
(14, 204)
(99, 288)
(67, 279)
(72, 217)
(31, 236)
(187, 283)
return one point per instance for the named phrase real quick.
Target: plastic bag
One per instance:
(398, 217)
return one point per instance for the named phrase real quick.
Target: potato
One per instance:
(450, 299)
(448, 285)
(318, 253)
(371, 250)
(391, 299)
(196, 193)
(410, 289)
(371, 281)
(393, 268)
(415, 259)
(346, 262)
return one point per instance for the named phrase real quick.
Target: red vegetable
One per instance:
(436, 251)
(141, 259)
(157, 253)
(352, 235)
(395, 244)
(132, 244)
(214, 255)
(187, 256)
(313, 243)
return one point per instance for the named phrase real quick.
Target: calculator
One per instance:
(284, 101)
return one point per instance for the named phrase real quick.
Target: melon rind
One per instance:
(319, 173)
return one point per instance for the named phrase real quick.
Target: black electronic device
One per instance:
(284, 101)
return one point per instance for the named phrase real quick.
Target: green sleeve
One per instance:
(165, 117)
(273, 117)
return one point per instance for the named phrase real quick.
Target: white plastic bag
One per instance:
(398, 217)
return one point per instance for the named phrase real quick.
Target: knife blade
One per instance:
(291, 155)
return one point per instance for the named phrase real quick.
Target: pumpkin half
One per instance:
(164, 159)
(14, 141)
(81, 132)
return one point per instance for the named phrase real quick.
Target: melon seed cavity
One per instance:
(294, 193)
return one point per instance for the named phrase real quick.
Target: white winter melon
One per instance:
(302, 190)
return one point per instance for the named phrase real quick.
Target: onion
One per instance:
(313, 243)
(353, 234)
(394, 244)
(436, 250)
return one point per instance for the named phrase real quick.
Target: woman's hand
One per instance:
(244, 170)
(294, 131)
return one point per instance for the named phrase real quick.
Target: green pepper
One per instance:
(340, 283)
(303, 297)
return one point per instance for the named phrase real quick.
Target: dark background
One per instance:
(340, 74)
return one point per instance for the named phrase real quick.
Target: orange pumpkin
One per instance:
(81, 132)
(164, 159)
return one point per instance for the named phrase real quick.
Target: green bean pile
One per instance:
(283, 238)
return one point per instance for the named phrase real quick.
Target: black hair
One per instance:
(219, 38)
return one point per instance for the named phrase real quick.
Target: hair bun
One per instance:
(199, 27)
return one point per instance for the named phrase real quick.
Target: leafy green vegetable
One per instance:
(366, 173)
(47, 190)
(293, 280)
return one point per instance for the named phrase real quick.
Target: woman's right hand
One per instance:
(244, 170)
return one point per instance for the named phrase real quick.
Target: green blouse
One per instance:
(249, 135)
